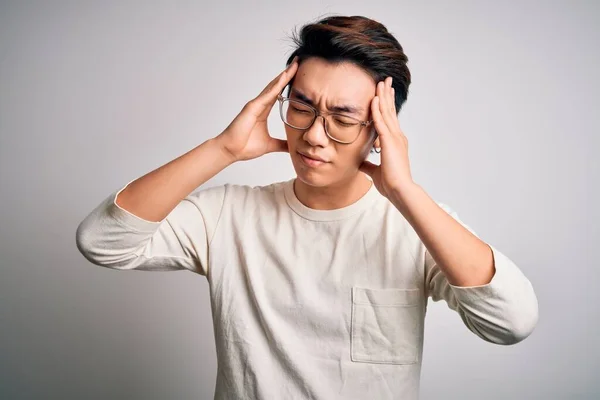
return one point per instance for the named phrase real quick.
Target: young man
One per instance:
(318, 285)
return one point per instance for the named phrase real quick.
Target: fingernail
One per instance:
(292, 63)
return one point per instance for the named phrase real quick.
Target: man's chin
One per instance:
(312, 178)
(309, 177)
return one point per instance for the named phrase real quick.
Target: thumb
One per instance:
(368, 168)
(277, 145)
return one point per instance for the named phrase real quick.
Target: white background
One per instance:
(502, 121)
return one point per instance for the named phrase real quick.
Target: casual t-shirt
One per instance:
(309, 304)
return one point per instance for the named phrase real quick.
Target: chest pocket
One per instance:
(386, 325)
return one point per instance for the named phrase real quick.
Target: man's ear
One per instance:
(375, 138)
(376, 143)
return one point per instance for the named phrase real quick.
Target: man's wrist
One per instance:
(403, 196)
(220, 146)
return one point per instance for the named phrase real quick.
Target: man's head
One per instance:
(341, 59)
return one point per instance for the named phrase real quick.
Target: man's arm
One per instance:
(154, 195)
(153, 223)
(464, 259)
(491, 294)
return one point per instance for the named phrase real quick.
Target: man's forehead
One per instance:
(342, 81)
(339, 101)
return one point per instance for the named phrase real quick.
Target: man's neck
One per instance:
(332, 197)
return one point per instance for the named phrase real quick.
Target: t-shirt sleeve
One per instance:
(113, 237)
(503, 311)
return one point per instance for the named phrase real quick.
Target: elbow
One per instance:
(526, 316)
(103, 251)
(507, 323)
(91, 245)
(519, 331)
(84, 242)
(521, 324)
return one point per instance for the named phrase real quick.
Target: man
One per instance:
(318, 285)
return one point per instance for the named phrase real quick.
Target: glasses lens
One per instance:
(297, 114)
(343, 128)
(340, 127)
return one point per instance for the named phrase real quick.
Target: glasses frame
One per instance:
(318, 114)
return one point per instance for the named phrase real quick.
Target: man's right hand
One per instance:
(247, 136)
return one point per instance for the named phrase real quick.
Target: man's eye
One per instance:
(300, 110)
(344, 122)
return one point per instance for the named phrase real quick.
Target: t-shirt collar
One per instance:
(328, 215)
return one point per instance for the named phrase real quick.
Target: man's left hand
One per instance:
(393, 175)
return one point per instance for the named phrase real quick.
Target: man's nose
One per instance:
(316, 135)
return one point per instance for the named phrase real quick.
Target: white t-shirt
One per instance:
(309, 304)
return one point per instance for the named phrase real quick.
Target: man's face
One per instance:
(326, 86)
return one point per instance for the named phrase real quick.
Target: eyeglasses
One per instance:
(339, 128)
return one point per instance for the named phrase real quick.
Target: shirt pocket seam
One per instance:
(371, 307)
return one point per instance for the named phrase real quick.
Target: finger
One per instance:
(393, 102)
(389, 110)
(386, 103)
(277, 145)
(368, 168)
(268, 96)
(276, 79)
(382, 98)
(378, 120)
(393, 112)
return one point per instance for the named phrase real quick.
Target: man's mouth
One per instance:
(311, 161)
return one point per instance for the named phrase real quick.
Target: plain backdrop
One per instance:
(502, 122)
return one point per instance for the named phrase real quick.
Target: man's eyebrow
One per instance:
(345, 108)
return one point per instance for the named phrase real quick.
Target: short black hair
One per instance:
(360, 40)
